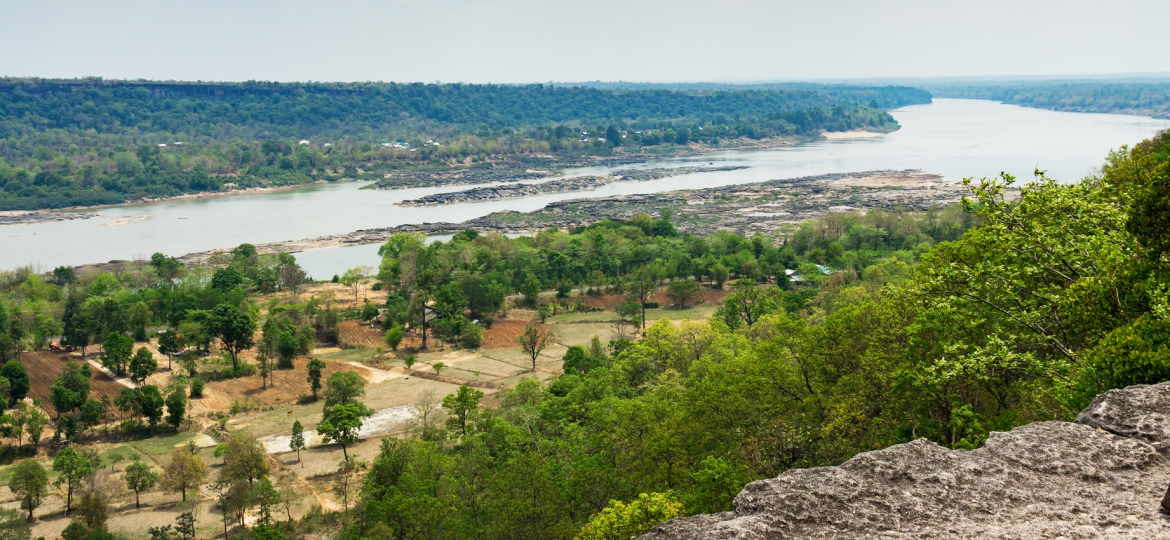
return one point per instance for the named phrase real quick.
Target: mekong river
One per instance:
(953, 138)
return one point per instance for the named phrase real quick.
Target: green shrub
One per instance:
(472, 336)
(197, 387)
(1133, 354)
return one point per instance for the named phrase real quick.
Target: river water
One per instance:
(952, 138)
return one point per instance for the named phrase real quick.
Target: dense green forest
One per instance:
(88, 142)
(943, 325)
(1138, 98)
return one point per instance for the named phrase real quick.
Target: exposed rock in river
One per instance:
(21, 217)
(1102, 476)
(580, 183)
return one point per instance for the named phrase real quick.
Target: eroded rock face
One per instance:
(1102, 476)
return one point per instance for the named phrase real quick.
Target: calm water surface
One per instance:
(953, 138)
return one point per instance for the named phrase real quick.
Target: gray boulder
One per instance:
(1102, 476)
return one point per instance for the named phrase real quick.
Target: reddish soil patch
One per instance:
(358, 333)
(285, 386)
(504, 334)
(43, 369)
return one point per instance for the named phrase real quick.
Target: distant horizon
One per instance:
(1133, 77)
(511, 41)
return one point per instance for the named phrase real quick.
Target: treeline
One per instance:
(1044, 304)
(87, 142)
(1137, 98)
(885, 97)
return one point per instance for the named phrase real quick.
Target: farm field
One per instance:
(284, 386)
(43, 369)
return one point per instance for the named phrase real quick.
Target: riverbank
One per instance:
(769, 208)
(29, 217)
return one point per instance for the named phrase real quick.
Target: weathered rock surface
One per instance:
(1102, 476)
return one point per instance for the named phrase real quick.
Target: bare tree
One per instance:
(536, 338)
(293, 277)
(428, 407)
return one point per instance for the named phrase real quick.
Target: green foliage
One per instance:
(463, 406)
(314, 368)
(71, 392)
(30, 484)
(343, 424)
(245, 459)
(116, 351)
(297, 442)
(176, 403)
(234, 328)
(197, 387)
(142, 365)
(619, 521)
(71, 467)
(139, 478)
(393, 337)
(1143, 99)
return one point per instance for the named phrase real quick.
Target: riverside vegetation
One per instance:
(948, 325)
(1149, 98)
(90, 142)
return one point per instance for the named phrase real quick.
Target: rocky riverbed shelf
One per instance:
(22, 217)
(762, 208)
(581, 183)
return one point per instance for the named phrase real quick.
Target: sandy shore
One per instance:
(850, 135)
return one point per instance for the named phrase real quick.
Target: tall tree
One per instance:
(142, 366)
(343, 425)
(18, 382)
(315, 367)
(116, 351)
(30, 484)
(139, 478)
(642, 284)
(297, 442)
(534, 340)
(184, 472)
(71, 467)
(244, 459)
(463, 405)
(71, 389)
(234, 328)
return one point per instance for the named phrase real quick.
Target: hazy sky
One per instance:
(559, 40)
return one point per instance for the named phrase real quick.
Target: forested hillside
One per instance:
(1138, 98)
(86, 142)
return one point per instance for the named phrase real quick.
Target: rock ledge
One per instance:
(1101, 476)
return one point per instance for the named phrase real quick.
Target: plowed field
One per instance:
(285, 386)
(357, 333)
(44, 368)
(504, 334)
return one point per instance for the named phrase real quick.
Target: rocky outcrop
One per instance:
(562, 185)
(1102, 476)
